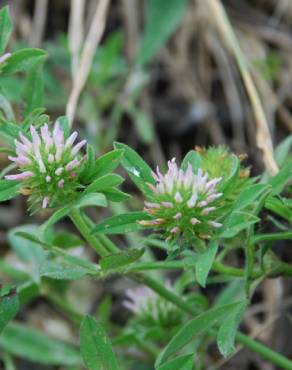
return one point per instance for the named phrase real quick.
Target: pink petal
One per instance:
(19, 176)
(215, 224)
(194, 221)
(74, 163)
(58, 134)
(178, 198)
(21, 160)
(175, 230)
(25, 140)
(45, 202)
(46, 136)
(51, 158)
(61, 183)
(152, 205)
(59, 171)
(207, 210)
(41, 164)
(4, 57)
(77, 147)
(71, 139)
(192, 201)
(22, 148)
(35, 138)
(167, 204)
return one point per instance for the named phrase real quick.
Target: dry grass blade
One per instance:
(92, 40)
(39, 21)
(263, 137)
(75, 32)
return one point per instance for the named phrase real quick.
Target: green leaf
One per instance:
(103, 183)
(228, 329)
(9, 189)
(66, 240)
(57, 216)
(5, 28)
(194, 159)
(184, 362)
(144, 125)
(9, 305)
(282, 150)
(27, 250)
(137, 168)
(92, 199)
(58, 269)
(9, 131)
(33, 118)
(192, 329)
(23, 60)
(162, 18)
(63, 266)
(33, 345)
(64, 124)
(229, 181)
(233, 292)
(96, 348)
(121, 224)
(92, 268)
(286, 235)
(116, 195)
(27, 292)
(6, 108)
(279, 206)
(249, 195)
(32, 237)
(237, 222)
(88, 168)
(34, 87)
(106, 163)
(204, 262)
(124, 258)
(279, 181)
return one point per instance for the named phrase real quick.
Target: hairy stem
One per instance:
(85, 231)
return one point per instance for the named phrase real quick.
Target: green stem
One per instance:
(111, 247)
(85, 231)
(249, 258)
(287, 235)
(165, 265)
(266, 352)
(103, 239)
(233, 271)
(159, 288)
(177, 265)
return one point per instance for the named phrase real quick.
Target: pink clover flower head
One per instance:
(184, 202)
(151, 309)
(48, 165)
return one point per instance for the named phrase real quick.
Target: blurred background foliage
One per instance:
(163, 81)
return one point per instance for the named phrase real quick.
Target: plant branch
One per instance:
(178, 301)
